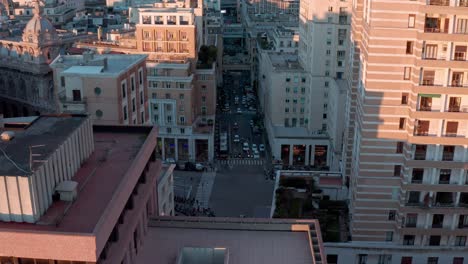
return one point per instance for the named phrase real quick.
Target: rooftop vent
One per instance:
(67, 190)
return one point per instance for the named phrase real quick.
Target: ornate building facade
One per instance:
(26, 82)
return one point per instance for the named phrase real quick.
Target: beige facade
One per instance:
(110, 88)
(181, 91)
(407, 146)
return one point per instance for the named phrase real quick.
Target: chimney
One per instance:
(88, 56)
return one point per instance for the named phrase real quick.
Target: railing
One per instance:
(434, 30)
(416, 181)
(420, 156)
(454, 108)
(410, 224)
(439, 2)
(443, 204)
(463, 204)
(414, 203)
(430, 83)
(444, 181)
(421, 132)
(425, 108)
(437, 225)
(448, 156)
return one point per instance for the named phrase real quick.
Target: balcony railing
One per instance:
(443, 204)
(434, 30)
(444, 181)
(419, 132)
(414, 203)
(447, 156)
(411, 224)
(439, 2)
(420, 156)
(437, 225)
(416, 180)
(430, 83)
(454, 108)
(425, 108)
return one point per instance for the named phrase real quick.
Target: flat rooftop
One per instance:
(245, 240)
(285, 61)
(116, 64)
(98, 178)
(49, 131)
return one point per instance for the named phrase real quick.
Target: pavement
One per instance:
(242, 190)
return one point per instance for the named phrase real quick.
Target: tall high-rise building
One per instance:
(407, 148)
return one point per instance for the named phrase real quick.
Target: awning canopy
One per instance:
(430, 95)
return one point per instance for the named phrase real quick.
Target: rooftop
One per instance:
(98, 178)
(244, 240)
(285, 61)
(96, 65)
(49, 131)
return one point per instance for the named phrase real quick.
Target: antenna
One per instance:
(32, 155)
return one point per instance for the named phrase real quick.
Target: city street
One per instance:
(238, 117)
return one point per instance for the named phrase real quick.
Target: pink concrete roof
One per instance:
(252, 241)
(97, 179)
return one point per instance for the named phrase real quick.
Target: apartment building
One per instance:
(111, 88)
(407, 146)
(74, 193)
(181, 88)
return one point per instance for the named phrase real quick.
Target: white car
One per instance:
(239, 111)
(261, 147)
(236, 138)
(245, 146)
(251, 122)
(254, 148)
(256, 155)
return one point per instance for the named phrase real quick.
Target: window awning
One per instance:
(430, 95)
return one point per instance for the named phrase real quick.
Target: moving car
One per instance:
(239, 111)
(236, 138)
(235, 126)
(256, 155)
(245, 146)
(261, 147)
(254, 147)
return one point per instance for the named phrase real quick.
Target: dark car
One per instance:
(189, 166)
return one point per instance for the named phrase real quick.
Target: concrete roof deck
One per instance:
(116, 64)
(97, 179)
(246, 240)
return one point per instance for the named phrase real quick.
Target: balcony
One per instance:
(448, 153)
(439, 2)
(444, 199)
(436, 24)
(463, 3)
(420, 155)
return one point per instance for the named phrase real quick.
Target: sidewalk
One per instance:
(204, 189)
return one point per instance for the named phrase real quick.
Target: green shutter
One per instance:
(430, 95)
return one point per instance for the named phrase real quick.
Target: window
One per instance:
(124, 90)
(203, 99)
(404, 98)
(397, 170)
(399, 147)
(324, 116)
(327, 84)
(411, 21)
(362, 259)
(303, 90)
(169, 130)
(460, 241)
(154, 95)
(288, 89)
(458, 260)
(286, 122)
(182, 119)
(303, 79)
(385, 259)
(332, 259)
(432, 260)
(402, 123)
(133, 105)
(132, 82)
(142, 117)
(142, 98)
(181, 96)
(411, 220)
(140, 76)
(62, 81)
(288, 79)
(409, 47)
(407, 73)
(327, 73)
(408, 240)
(389, 236)
(182, 130)
(168, 96)
(328, 52)
(169, 119)
(286, 110)
(76, 95)
(434, 240)
(125, 112)
(339, 75)
(406, 260)
(391, 215)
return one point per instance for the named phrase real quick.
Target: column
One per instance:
(176, 150)
(163, 150)
(191, 143)
(291, 148)
(307, 155)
